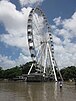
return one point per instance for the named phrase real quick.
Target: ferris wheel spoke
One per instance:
(38, 32)
(39, 26)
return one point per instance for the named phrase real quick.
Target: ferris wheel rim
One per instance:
(30, 32)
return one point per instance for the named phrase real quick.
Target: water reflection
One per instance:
(55, 90)
(42, 91)
(37, 92)
(21, 91)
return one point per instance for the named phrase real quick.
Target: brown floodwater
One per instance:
(47, 91)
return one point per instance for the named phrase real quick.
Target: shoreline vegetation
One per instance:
(17, 72)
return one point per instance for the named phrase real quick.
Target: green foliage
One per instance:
(11, 73)
(69, 73)
(16, 71)
(1, 72)
(26, 67)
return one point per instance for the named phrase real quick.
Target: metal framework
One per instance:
(40, 44)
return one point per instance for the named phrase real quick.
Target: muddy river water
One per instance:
(47, 91)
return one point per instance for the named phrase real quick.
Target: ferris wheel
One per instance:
(40, 44)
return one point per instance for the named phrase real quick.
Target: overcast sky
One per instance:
(61, 15)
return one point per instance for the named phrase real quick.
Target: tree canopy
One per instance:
(67, 73)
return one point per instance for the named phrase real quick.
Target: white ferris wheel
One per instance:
(40, 44)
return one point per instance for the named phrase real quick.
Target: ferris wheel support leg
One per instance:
(59, 71)
(40, 58)
(45, 61)
(30, 69)
(52, 63)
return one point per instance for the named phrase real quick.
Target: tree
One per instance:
(13, 72)
(26, 67)
(69, 73)
(1, 72)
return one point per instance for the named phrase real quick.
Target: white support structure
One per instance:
(40, 44)
(52, 62)
(41, 55)
(39, 52)
(45, 60)
(59, 71)
(30, 69)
